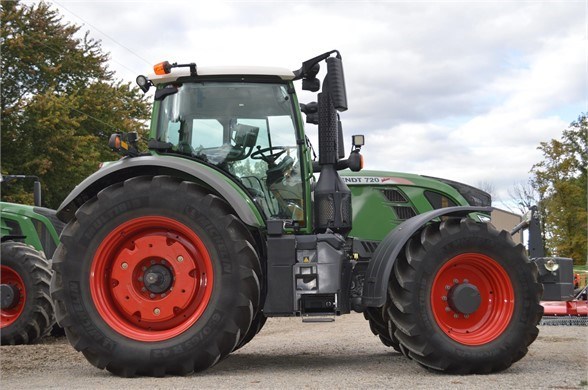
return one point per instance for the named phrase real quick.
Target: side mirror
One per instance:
(336, 83)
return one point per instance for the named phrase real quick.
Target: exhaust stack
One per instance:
(332, 197)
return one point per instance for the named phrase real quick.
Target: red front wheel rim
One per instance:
(10, 277)
(497, 299)
(151, 278)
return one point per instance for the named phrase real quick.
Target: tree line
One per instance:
(60, 103)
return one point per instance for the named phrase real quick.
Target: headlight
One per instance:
(551, 265)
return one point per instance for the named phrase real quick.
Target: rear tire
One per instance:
(258, 322)
(30, 316)
(432, 322)
(155, 276)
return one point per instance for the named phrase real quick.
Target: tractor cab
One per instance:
(246, 127)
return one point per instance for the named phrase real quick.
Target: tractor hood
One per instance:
(466, 194)
(381, 200)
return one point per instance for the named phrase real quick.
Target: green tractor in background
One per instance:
(175, 257)
(30, 236)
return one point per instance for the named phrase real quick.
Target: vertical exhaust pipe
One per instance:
(332, 196)
(37, 192)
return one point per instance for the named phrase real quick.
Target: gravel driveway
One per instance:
(291, 354)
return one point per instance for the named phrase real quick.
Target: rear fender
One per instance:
(380, 265)
(182, 168)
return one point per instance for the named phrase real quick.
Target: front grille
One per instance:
(404, 212)
(394, 195)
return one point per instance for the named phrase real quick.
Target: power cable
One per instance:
(103, 33)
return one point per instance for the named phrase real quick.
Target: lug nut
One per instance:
(455, 281)
(151, 295)
(143, 289)
(443, 298)
(456, 316)
(163, 295)
(124, 266)
(180, 259)
(466, 316)
(156, 311)
(447, 309)
(447, 287)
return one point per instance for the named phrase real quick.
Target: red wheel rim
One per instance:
(121, 269)
(497, 303)
(12, 278)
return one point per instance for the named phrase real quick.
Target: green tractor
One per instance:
(30, 235)
(175, 257)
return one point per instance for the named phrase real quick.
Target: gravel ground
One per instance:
(291, 354)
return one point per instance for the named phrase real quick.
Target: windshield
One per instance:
(245, 129)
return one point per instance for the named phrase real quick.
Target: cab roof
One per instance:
(283, 73)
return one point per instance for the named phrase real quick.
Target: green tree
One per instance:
(561, 181)
(60, 102)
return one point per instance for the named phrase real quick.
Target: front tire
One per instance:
(27, 313)
(155, 276)
(380, 327)
(465, 298)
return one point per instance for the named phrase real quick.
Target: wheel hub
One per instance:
(472, 298)
(158, 279)
(464, 298)
(9, 296)
(151, 278)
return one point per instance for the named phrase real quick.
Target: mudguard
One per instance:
(380, 266)
(126, 168)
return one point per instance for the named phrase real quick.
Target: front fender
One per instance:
(380, 266)
(179, 167)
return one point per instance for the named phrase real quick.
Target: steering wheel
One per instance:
(259, 154)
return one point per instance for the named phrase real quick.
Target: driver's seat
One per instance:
(276, 174)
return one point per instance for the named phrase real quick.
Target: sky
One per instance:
(464, 90)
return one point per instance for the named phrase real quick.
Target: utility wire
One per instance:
(79, 62)
(106, 35)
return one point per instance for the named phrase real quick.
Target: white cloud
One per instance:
(463, 90)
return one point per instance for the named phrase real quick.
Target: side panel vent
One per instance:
(404, 212)
(394, 196)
